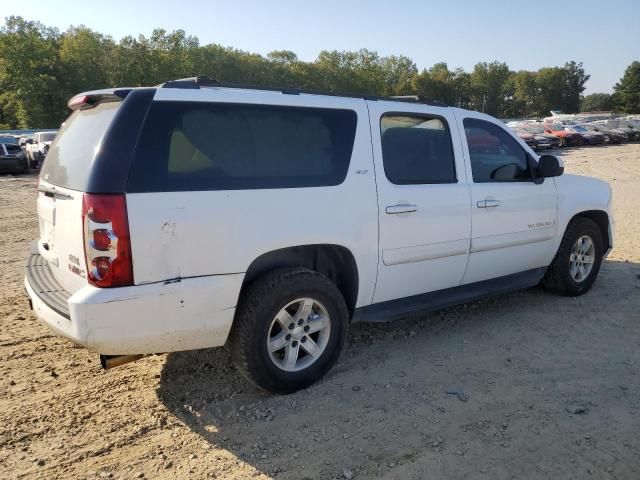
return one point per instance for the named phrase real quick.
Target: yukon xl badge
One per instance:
(540, 225)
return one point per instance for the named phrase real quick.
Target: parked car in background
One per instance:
(543, 138)
(588, 137)
(527, 138)
(627, 126)
(24, 140)
(567, 138)
(12, 158)
(611, 136)
(38, 148)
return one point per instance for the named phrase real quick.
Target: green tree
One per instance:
(526, 93)
(626, 92)
(597, 102)
(575, 79)
(31, 93)
(84, 56)
(488, 87)
(437, 83)
(41, 68)
(551, 84)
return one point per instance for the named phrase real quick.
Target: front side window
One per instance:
(189, 146)
(416, 149)
(495, 155)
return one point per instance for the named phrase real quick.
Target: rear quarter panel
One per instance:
(190, 234)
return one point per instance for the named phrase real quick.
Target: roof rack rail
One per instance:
(204, 81)
(418, 99)
(191, 82)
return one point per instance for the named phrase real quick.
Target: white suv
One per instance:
(197, 215)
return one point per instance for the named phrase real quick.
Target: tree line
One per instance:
(41, 68)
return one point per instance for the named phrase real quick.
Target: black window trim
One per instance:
(427, 116)
(530, 160)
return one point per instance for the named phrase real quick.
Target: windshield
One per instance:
(8, 139)
(12, 149)
(68, 163)
(578, 128)
(536, 130)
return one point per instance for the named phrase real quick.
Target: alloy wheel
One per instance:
(299, 334)
(582, 258)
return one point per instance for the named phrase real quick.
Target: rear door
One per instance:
(63, 180)
(513, 221)
(424, 200)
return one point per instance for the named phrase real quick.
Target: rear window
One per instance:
(47, 136)
(189, 146)
(68, 163)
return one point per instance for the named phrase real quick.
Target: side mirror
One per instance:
(549, 166)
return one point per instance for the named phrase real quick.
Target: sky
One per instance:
(604, 35)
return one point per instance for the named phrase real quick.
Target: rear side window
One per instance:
(68, 163)
(189, 146)
(416, 150)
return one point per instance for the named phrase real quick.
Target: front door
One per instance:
(423, 198)
(513, 220)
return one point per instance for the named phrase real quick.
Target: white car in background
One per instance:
(38, 147)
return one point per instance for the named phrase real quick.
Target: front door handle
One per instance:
(488, 203)
(401, 208)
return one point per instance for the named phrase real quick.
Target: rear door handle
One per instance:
(488, 203)
(401, 208)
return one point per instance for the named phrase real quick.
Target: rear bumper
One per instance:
(154, 318)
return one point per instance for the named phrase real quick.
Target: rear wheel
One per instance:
(577, 263)
(289, 329)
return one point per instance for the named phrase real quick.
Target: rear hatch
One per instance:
(63, 181)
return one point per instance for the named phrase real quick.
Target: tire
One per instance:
(262, 307)
(560, 277)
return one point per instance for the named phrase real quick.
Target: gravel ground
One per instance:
(527, 385)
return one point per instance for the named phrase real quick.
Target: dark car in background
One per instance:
(527, 138)
(627, 126)
(13, 159)
(611, 136)
(545, 140)
(588, 137)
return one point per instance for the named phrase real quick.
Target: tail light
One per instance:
(107, 246)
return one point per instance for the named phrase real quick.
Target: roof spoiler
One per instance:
(86, 100)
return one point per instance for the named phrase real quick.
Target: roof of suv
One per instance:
(206, 82)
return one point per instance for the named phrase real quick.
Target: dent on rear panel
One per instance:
(159, 251)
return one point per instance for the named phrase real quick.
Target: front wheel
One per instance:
(289, 330)
(577, 263)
